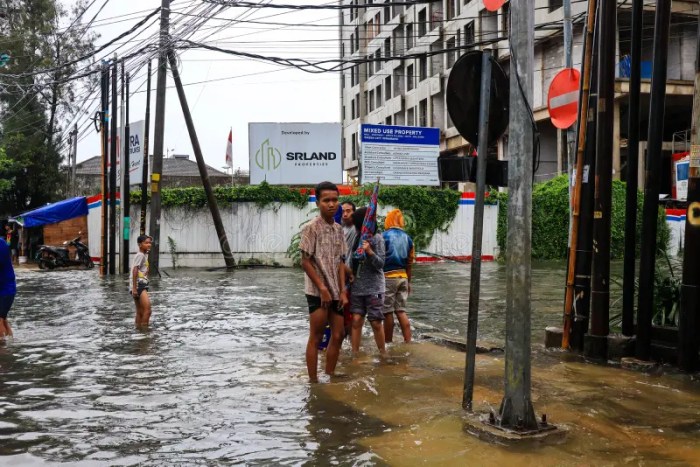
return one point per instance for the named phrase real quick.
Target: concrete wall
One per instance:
(265, 233)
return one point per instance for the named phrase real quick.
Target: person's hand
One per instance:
(134, 293)
(367, 248)
(343, 299)
(350, 277)
(326, 298)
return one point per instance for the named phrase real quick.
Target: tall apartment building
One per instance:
(394, 90)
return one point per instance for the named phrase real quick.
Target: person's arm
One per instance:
(343, 298)
(307, 264)
(375, 257)
(409, 262)
(134, 279)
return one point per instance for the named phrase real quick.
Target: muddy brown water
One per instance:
(220, 379)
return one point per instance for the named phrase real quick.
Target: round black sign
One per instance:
(463, 90)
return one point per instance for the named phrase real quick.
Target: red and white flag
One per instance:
(229, 149)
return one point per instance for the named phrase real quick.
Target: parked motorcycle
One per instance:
(51, 257)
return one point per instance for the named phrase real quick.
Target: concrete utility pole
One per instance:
(104, 129)
(652, 179)
(126, 202)
(596, 344)
(74, 159)
(689, 318)
(477, 237)
(516, 408)
(211, 200)
(159, 137)
(113, 174)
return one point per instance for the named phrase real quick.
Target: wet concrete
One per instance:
(220, 379)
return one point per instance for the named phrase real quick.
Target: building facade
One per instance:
(400, 86)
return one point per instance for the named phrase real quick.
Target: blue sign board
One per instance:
(391, 134)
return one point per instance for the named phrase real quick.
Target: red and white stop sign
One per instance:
(493, 5)
(562, 100)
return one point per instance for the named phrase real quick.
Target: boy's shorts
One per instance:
(6, 302)
(370, 305)
(396, 294)
(314, 303)
(139, 288)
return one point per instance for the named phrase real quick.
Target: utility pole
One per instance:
(475, 275)
(689, 317)
(158, 141)
(632, 168)
(584, 239)
(576, 200)
(516, 409)
(652, 179)
(211, 200)
(113, 175)
(74, 160)
(144, 163)
(570, 133)
(104, 129)
(596, 346)
(126, 202)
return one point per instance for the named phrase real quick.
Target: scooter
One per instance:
(51, 257)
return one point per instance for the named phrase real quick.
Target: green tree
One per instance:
(36, 95)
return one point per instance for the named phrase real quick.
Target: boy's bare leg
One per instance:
(405, 325)
(337, 323)
(8, 329)
(3, 332)
(389, 327)
(378, 329)
(317, 324)
(146, 307)
(356, 336)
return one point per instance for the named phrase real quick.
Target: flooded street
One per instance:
(220, 379)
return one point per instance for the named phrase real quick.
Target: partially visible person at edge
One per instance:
(367, 294)
(400, 254)
(8, 289)
(323, 251)
(350, 236)
(12, 240)
(139, 281)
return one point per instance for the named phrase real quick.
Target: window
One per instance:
(387, 121)
(357, 39)
(423, 113)
(469, 33)
(352, 76)
(505, 19)
(387, 47)
(352, 44)
(353, 115)
(354, 147)
(423, 64)
(411, 117)
(380, 102)
(409, 77)
(555, 5)
(343, 116)
(451, 56)
(409, 36)
(357, 105)
(387, 14)
(398, 82)
(370, 102)
(422, 23)
(378, 61)
(369, 30)
(387, 88)
(450, 9)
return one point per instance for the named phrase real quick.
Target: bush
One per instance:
(550, 220)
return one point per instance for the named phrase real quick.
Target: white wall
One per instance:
(265, 233)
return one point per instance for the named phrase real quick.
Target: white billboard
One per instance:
(399, 155)
(295, 153)
(136, 149)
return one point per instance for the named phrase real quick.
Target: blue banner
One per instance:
(390, 134)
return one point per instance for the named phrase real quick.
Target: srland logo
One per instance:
(268, 157)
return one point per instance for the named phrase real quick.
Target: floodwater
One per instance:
(220, 379)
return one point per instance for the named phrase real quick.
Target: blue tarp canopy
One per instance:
(52, 213)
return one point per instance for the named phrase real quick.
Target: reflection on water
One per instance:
(220, 376)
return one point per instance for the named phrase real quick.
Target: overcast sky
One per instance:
(238, 90)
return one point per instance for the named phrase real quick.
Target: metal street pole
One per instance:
(570, 133)
(475, 275)
(126, 202)
(632, 168)
(596, 346)
(113, 174)
(74, 161)
(158, 140)
(689, 317)
(104, 129)
(516, 409)
(203, 173)
(652, 180)
(144, 163)
(581, 137)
